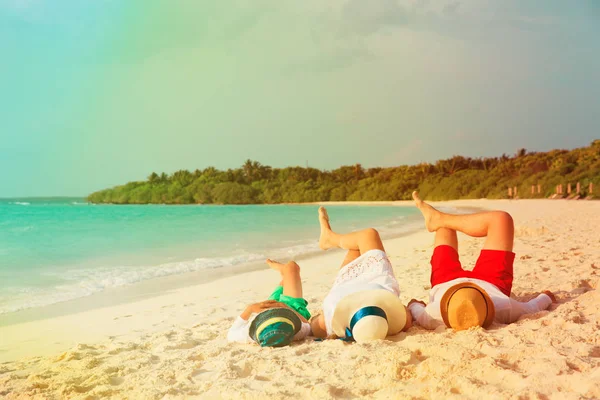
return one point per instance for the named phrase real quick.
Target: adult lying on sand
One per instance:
(278, 320)
(463, 299)
(363, 303)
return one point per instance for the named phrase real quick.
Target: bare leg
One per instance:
(350, 256)
(290, 277)
(497, 226)
(445, 236)
(357, 243)
(362, 241)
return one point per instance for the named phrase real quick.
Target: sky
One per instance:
(98, 93)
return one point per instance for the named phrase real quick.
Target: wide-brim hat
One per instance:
(466, 305)
(369, 315)
(275, 327)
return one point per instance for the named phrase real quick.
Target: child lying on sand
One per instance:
(363, 303)
(463, 299)
(278, 320)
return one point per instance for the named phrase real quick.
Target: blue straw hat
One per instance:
(275, 327)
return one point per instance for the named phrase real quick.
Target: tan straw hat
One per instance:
(369, 315)
(466, 305)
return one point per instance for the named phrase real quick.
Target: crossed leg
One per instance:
(292, 287)
(445, 236)
(357, 243)
(351, 255)
(495, 262)
(496, 226)
(290, 277)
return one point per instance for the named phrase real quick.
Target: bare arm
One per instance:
(421, 316)
(257, 308)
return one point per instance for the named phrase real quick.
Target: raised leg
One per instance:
(290, 277)
(350, 256)
(445, 236)
(496, 226)
(361, 241)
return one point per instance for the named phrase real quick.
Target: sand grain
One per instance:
(174, 345)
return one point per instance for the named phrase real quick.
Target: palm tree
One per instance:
(358, 172)
(424, 168)
(442, 166)
(266, 171)
(252, 170)
(183, 176)
(521, 153)
(153, 178)
(210, 172)
(248, 167)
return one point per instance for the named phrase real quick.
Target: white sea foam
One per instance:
(19, 203)
(83, 282)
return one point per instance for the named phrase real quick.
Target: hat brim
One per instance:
(387, 301)
(491, 309)
(274, 315)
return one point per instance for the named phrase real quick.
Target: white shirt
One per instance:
(371, 271)
(507, 310)
(240, 330)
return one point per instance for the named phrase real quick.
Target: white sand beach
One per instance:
(174, 345)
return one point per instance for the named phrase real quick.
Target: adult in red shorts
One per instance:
(463, 299)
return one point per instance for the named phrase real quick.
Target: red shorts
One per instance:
(493, 266)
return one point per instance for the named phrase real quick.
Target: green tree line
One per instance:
(453, 178)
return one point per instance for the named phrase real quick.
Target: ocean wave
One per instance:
(19, 203)
(85, 282)
(82, 282)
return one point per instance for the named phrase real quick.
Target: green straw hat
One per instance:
(275, 327)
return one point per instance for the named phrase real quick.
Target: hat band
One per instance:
(482, 295)
(271, 321)
(360, 314)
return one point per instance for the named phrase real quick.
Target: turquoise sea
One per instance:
(59, 249)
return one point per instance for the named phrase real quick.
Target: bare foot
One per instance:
(277, 266)
(326, 240)
(430, 214)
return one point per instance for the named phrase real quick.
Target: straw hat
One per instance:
(275, 327)
(466, 305)
(369, 315)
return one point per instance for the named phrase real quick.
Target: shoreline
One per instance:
(174, 344)
(221, 264)
(104, 315)
(171, 284)
(151, 289)
(157, 286)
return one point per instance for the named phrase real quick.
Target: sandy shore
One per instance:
(174, 345)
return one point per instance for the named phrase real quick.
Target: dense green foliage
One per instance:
(454, 178)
